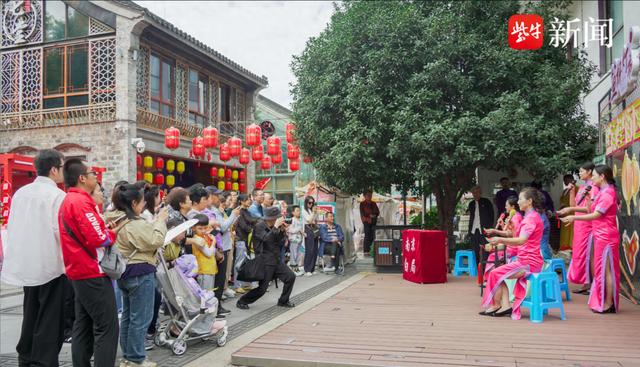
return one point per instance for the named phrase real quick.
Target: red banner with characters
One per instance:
(424, 256)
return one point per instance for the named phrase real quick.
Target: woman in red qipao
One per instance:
(604, 293)
(496, 300)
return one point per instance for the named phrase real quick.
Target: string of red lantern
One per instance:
(172, 138)
(253, 134)
(210, 137)
(274, 145)
(289, 128)
(235, 146)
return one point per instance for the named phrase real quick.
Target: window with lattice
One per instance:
(197, 98)
(161, 82)
(62, 21)
(66, 81)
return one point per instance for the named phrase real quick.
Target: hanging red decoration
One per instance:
(235, 146)
(210, 137)
(139, 160)
(265, 163)
(277, 159)
(307, 159)
(273, 145)
(172, 138)
(138, 176)
(243, 188)
(242, 175)
(253, 134)
(209, 156)
(227, 186)
(225, 155)
(244, 156)
(289, 128)
(159, 179)
(294, 165)
(213, 172)
(257, 153)
(197, 147)
(293, 151)
(159, 163)
(228, 173)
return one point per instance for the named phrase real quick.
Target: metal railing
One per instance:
(53, 117)
(159, 123)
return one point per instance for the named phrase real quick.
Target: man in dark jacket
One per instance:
(268, 238)
(481, 218)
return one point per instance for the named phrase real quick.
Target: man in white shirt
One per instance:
(33, 260)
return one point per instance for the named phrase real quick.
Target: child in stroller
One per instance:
(195, 318)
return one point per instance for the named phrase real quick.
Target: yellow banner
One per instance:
(624, 129)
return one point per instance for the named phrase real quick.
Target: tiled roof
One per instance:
(261, 80)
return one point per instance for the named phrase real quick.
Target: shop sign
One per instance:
(624, 71)
(624, 129)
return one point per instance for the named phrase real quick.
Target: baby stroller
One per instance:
(192, 310)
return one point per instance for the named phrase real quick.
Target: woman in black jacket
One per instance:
(244, 226)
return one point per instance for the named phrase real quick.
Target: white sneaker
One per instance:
(329, 269)
(299, 273)
(308, 274)
(229, 293)
(224, 297)
(145, 363)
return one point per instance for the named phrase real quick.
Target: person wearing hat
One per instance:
(268, 238)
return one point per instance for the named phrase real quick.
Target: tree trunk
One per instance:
(446, 199)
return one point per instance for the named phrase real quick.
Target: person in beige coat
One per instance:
(138, 241)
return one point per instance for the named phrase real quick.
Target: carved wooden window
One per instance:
(63, 21)
(197, 98)
(142, 83)
(103, 70)
(225, 102)
(21, 22)
(161, 76)
(66, 81)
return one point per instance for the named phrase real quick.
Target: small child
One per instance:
(295, 232)
(205, 252)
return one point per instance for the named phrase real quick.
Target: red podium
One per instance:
(424, 256)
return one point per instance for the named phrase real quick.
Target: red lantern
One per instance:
(307, 159)
(273, 145)
(172, 138)
(235, 146)
(197, 147)
(244, 156)
(225, 155)
(242, 176)
(138, 160)
(253, 134)
(213, 172)
(210, 136)
(159, 179)
(159, 163)
(138, 176)
(289, 128)
(294, 165)
(293, 151)
(228, 173)
(265, 163)
(243, 187)
(277, 159)
(227, 185)
(257, 153)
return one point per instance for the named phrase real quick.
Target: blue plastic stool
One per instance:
(544, 294)
(554, 266)
(470, 268)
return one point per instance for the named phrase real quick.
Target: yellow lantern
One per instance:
(148, 162)
(221, 172)
(234, 175)
(180, 167)
(235, 186)
(171, 165)
(220, 185)
(171, 180)
(148, 176)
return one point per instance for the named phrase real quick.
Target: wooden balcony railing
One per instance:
(53, 117)
(152, 121)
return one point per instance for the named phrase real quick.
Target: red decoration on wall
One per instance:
(227, 185)
(197, 147)
(273, 145)
(228, 173)
(289, 129)
(294, 165)
(307, 159)
(213, 172)
(225, 155)
(265, 163)
(257, 153)
(210, 136)
(243, 188)
(277, 159)
(159, 163)
(293, 151)
(159, 179)
(172, 138)
(244, 156)
(242, 175)
(253, 135)
(138, 160)
(235, 146)
(138, 176)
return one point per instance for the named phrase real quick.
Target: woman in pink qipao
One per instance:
(496, 300)
(605, 293)
(581, 266)
(510, 228)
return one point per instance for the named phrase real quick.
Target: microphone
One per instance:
(584, 195)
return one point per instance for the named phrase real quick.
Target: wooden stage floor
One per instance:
(383, 320)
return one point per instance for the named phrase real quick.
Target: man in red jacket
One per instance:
(84, 236)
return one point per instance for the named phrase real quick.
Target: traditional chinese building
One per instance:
(89, 77)
(613, 105)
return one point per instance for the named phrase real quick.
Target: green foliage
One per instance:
(394, 92)
(431, 220)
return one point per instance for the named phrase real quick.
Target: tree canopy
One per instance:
(394, 92)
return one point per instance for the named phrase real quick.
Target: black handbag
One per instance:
(251, 269)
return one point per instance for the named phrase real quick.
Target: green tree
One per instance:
(394, 92)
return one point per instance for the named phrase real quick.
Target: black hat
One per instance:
(271, 213)
(212, 190)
